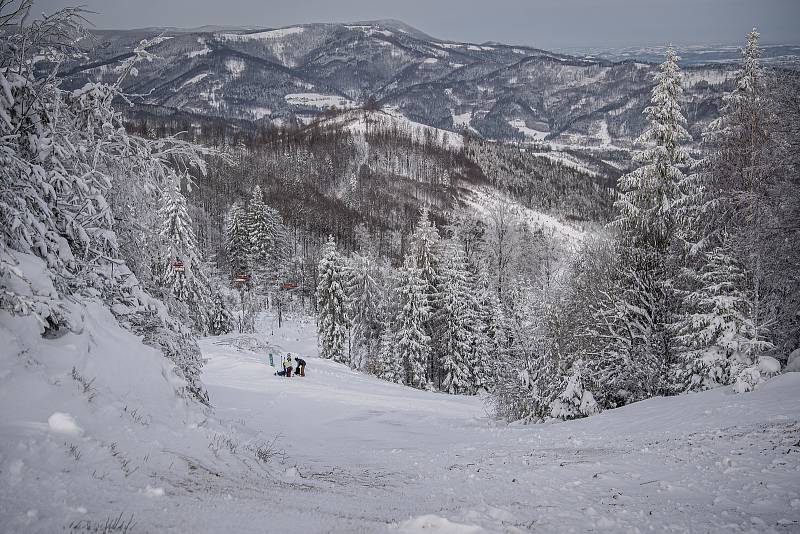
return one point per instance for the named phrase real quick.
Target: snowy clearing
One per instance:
(203, 51)
(194, 79)
(270, 34)
(359, 121)
(317, 100)
(486, 200)
(529, 133)
(235, 66)
(462, 119)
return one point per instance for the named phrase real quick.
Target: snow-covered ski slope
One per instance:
(364, 455)
(355, 454)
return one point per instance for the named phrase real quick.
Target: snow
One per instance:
(476, 48)
(203, 51)
(485, 200)
(793, 362)
(370, 30)
(235, 66)
(64, 423)
(769, 365)
(435, 525)
(431, 61)
(462, 119)
(603, 135)
(358, 121)
(529, 133)
(711, 76)
(158, 40)
(356, 454)
(194, 79)
(260, 112)
(150, 491)
(270, 34)
(194, 53)
(317, 100)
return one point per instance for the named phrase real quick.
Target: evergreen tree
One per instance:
(626, 361)
(332, 322)
(726, 202)
(221, 321)
(634, 322)
(729, 301)
(456, 318)
(267, 252)
(63, 154)
(365, 297)
(425, 244)
(413, 344)
(237, 241)
(490, 341)
(389, 367)
(716, 329)
(646, 204)
(182, 272)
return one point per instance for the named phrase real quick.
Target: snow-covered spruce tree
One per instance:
(716, 331)
(456, 322)
(332, 321)
(237, 241)
(574, 401)
(365, 311)
(413, 344)
(221, 320)
(182, 272)
(425, 251)
(388, 366)
(61, 153)
(267, 252)
(646, 204)
(490, 336)
(634, 322)
(726, 212)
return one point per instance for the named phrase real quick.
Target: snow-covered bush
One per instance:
(574, 401)
(754, 375)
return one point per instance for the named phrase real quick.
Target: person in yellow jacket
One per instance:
(287, 365)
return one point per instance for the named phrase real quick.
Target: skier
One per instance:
(301, 366)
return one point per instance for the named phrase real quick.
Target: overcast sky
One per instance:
(541, 23)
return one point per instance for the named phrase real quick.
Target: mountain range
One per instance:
(499, 91)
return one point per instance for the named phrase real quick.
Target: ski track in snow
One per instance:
(363, 455)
